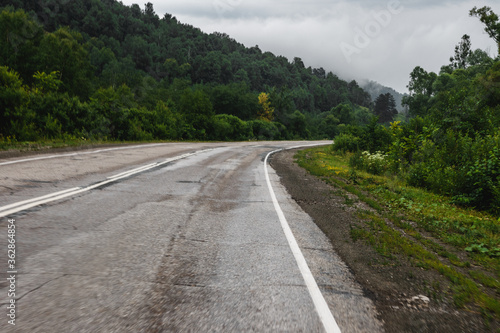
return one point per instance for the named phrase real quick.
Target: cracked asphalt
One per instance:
(194, 246)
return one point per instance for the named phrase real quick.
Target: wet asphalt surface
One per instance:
(192, 246)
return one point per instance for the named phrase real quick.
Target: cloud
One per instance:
(421, 33)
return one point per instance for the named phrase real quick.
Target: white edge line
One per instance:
(27, 204)
(322, 308)
(145, 167)
(41, 202)
(38, 198)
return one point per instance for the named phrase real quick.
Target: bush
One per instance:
(372, 137)
(15, 114)
(356, 160)
(376, 163)
(346, 142)
(482, 182)
(228, 127)
(266, 130)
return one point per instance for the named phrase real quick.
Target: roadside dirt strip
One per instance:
(159, 243)
(393, 288)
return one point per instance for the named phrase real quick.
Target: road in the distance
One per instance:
(192, 246)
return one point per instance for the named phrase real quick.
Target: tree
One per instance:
(19, 37)
(150, 15)
(47, 82)
(281, 100)
(420, 87)
(13, 99)
(421, 82)
(63, 52)
(343, 112)
(234, 99)
(198, 112)
(462, 53)
(385, 108)
(297, 124)
(112, 107)
(358, 95)
(139, 49)
(96, 46)
(490, 82)
(266, 110)
(491, 22)
(328, 125)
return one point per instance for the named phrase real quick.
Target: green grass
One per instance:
(421, 226)
(11, 144)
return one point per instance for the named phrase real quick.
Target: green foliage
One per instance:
(346, 142)
(372, 137)
(19, 37)
(490, 20)
(47, 82)
(103, 70)
(328, 125)
(234, 99)
(266, 130)
(231, 128)
(462, 53)
(63, 52)
(376, 163)
(15, 117)
(111, 110)
(198, 112)
(453, 148)
(452, 145)
(140, 124)
(385, 108)
(481, 185)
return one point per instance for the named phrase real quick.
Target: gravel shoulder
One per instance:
(394, 289)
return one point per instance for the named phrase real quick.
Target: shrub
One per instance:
(375, 163)
(482, 181)
(266, 130)
(229, 127)
(346, 142)
(356, 160)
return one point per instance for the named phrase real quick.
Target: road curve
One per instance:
(191, 244)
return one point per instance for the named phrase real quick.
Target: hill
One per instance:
(129, 59)
(375, 89)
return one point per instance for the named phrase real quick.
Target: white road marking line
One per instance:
(39, 198)
(38, 201)
(80, 153)
(27, 204)
(145, 167)
(322, 308)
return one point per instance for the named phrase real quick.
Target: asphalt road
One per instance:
(189, 245)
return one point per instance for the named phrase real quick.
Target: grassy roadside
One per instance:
(10, 147)
(10, 144)
(406, 223)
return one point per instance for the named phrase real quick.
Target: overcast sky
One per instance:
(358, 39)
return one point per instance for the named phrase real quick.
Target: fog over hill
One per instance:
(375, 89)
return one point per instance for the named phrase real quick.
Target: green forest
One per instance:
(450, 144)
(100, 70)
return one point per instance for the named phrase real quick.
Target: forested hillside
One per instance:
(376, 89)
(100, 69)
